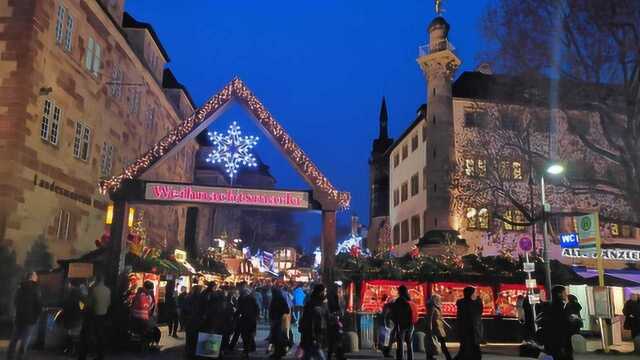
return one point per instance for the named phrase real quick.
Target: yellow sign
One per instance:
(180, 255)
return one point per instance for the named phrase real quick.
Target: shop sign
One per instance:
(224, 195)
(80, 270)
(180, 255)
(607, 254)
(569, 240)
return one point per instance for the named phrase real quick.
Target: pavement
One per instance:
(171, 348)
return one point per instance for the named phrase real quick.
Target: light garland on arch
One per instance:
(238, 90)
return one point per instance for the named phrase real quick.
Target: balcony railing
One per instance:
(439, 46)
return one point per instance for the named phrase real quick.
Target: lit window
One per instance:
(481, 168)
(82, 142)
(477, 219)
(469, 167)
(475, 167)
(514, 216)
(50, 125)
(516, 170)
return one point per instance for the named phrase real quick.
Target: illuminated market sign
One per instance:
(223, 195)
(607, 254)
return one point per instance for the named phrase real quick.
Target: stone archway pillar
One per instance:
(118, 244)
(328, 245)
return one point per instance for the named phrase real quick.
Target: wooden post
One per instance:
(328, 245)
(190, 233)
(118, 244)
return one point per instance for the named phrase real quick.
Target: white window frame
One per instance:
(68, 36)
(50, 122)
(64, 223)
(106, 160)
(134, 101)
(60, 23)
(117, 78)
(82, 140)
(92, 59)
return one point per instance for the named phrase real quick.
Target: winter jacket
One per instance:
(142, 305)
(401, 313)
(436, 322)
(248, 312)
(71, 310)
(469, 320)
(28, 304)
(299, 296)
(312, 324)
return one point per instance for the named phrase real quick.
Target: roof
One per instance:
(129, 22)
(169, 81)
(531, 89)
(422, 111)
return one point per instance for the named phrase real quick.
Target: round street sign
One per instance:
(525, 244)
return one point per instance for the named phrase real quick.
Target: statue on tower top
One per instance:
(438, 7)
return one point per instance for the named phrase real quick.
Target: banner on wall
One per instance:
(451, 292)
(375, 293)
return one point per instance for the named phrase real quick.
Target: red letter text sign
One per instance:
(230, 196)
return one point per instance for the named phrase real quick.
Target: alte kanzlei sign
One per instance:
(607, 254)
(229, 196)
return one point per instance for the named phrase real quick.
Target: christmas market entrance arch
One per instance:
(127, 189)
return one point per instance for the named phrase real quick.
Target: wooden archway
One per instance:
(123, 189)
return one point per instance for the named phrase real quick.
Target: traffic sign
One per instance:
(534, 299)
(525, 244)
(531, 283)
(529, 267)
(569, 240)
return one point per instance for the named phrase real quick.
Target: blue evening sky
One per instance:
(320, 67)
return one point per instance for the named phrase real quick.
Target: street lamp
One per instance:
(552, 169)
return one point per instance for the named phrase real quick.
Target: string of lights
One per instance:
(237, 90)
(233, 150)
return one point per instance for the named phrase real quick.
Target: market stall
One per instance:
(375, 293)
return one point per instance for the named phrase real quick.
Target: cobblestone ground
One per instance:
(174, 349)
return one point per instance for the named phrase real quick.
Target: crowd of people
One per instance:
(317, 313)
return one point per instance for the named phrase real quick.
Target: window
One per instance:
(509, 122)
(515, 216)
(396, 234)
(60, 24)
(404, 231)
(62, 224)
(424, 221)
(620, 230)
(92, 56)
(404, 192)
(474, 119)
(50, 125)
(510, 170)
(151, 119)
(405, 152)
(106, 160)
(477, 219)
(415, 184)
(415, 227)
(133, 101)
(68, 36)
(117, 78)
(396, 160)
(424, 178)
(475, 167)
(424, 133)
(82, 142)
(396, 197)
(414, 143)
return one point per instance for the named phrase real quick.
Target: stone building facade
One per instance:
(84, 91)
(479, 142)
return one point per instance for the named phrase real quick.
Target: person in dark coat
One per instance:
(247, 317)
(171, 308)
(386, 327)
(181, 302)
(278, 308)
(313, 325)
(469, 325)
(556, 325)
(335, 328)
(402, 314)
(573, 309)
(631, 313)
(28, 305)
(195, 306)
(72, 316)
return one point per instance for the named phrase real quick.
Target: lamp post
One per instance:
(552, 169)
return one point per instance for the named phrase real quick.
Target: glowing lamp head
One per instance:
(555, 169)
(131, 218)
(109, 216)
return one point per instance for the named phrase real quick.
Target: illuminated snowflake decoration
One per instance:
(233, 150)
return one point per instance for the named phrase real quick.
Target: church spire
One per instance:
(384, 120)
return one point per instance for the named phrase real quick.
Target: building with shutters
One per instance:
(84, 91)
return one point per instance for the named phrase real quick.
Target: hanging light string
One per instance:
(238, 90)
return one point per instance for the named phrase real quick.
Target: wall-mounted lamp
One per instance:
(132, 213)
(109, 217)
